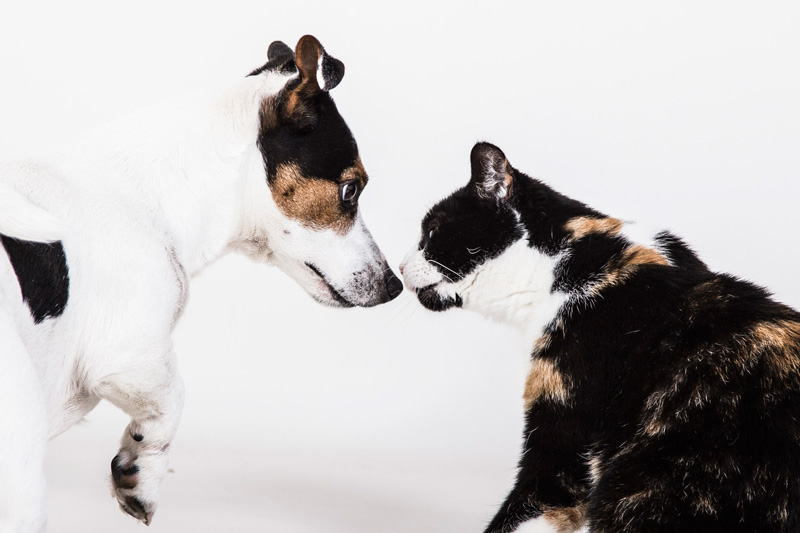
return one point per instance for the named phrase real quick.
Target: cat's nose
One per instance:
(401, 267)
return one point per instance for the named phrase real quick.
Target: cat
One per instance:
(661, 397)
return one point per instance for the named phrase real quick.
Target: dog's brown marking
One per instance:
(566, 519)
(355, 172)
(545, 381)
(580, 227)
(297, 101)
(307, 54)
(779, 341)
(311, 201)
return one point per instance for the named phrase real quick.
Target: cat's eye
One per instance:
(348, 192)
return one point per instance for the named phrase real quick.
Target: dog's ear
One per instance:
(280, 58)
(279, 51)
(316, 67)
(492, 176)
(319, 72)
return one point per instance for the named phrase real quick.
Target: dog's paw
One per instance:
(135, 478)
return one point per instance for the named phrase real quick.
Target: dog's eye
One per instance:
(348, 192)
(432, 231)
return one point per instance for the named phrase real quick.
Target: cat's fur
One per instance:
(661, 397)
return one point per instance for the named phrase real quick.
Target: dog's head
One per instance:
(314, 231)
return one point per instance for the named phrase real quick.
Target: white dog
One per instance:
(130, 213)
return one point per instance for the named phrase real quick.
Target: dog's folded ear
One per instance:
(279, 51)
(492, 177)
(319, 72)
(317, 68)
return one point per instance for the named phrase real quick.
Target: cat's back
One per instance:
(718, 427)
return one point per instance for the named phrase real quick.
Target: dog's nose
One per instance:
(393, 285)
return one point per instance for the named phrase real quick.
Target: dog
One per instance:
(661, 397)
(100, 239)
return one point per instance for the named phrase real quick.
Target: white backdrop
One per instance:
(394, 419)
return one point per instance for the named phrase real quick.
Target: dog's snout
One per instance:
(393, 285)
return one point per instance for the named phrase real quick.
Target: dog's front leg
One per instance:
(151, 392)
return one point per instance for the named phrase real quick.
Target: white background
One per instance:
(394, 419)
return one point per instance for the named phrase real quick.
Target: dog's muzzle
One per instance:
(366, 288)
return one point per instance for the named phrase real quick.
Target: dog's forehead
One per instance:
(305, 170)
(326, 152)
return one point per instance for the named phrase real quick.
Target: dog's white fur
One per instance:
(140, 207)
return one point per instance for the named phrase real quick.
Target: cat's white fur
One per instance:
(514, 288)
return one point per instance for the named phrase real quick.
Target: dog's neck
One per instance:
(216, 196)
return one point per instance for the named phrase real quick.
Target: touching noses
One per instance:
(393, 285)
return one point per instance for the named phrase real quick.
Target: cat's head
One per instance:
(505, 244)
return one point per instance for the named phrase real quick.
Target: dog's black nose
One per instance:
(393, 285)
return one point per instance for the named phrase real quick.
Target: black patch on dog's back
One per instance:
(43, 275)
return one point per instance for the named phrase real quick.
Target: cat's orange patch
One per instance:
(629, 504)
(580, 227)
(779, 341)
(619, 270)
(566, 519)
(545, 381)
(542, 343)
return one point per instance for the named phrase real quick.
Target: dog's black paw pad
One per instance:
(124, 476)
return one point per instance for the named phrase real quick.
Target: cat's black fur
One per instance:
(663, 398)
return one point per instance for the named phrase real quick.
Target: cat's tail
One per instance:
(22, 220)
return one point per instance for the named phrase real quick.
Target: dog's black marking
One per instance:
(43, 275)
(303, 126)
(280, 58)
(332, 71)
(680, 385)
(322, 151)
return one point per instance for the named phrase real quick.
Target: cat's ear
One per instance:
(491, 176)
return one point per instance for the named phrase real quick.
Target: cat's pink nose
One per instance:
(402, 266)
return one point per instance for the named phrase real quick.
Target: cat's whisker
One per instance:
(458, 276)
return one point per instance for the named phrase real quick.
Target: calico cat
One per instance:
(662, 397)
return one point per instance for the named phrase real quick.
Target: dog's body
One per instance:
(662, 397)
(114, 226)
